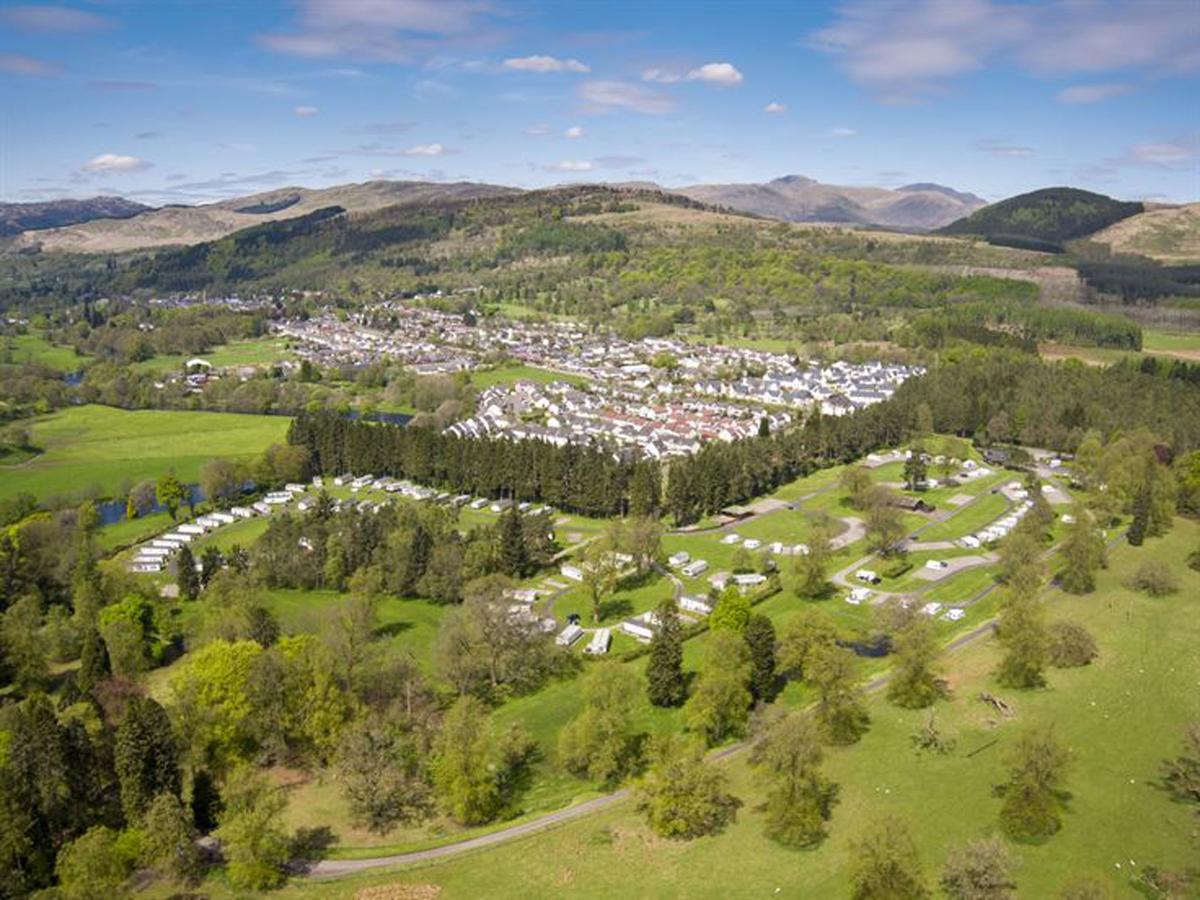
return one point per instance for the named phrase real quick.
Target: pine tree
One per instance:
(145, 757)
(1141, 516)
(186, 575)
(514, 560)
(760, 638)
(94, 665)
(666, 683)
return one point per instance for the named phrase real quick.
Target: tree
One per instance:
(731, 612)
(885, 864)
(1070, 645)
(682, 794)
(598, 742)
(760, 639)
(464, 764)
(221, 480)
(23, 644)
(169, 839)
(914, 683)
(915, 470)
(211, 563)
(382, 776)
(1140, 524)
(186, 575)
(601, 571)
(923, 421)
(666, 684)
(94, 865)
(94, 665)
(1155, 578)
(170, 492)
(1181, 775)
(145, 756)
(805, 633)
(643, 537)
(833, 670)
(800, 799)
(1033, 795)
(884, 524)
(979, 870)
(1021, 561)
(1081, 553)
(721, 704)
(141, 499)
(213, 704)
(856, 482)
(1023, 633)
(514, 561)
(812, 567)
(252, 838)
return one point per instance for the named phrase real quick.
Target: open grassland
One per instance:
(1183, 345)
(505, 375)
(32, 348)
(1120, 716)
(251, 352)
(98, 449)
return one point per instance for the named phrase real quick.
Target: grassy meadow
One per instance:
(98, 449)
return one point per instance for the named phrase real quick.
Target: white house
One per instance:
(695, 568)
(858, 596)
(679, 559)
(696, 603)
(598, 645)
(569, 635)
(243, 512)
(572, 572)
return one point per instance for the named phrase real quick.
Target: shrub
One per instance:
(1071, 645)
(1156, 579)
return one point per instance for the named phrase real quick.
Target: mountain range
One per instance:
(18, 217)
(794, 198)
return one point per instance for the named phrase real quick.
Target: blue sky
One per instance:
(170, 101)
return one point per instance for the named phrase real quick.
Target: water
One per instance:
(113, 511)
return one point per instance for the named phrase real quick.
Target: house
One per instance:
(720, 580)
(569, 635)
(932, 608)
(859, 596)
(695, 568)
(910, 504)
(752, 544)
(598, 645)
(572, 572)
(678, 559)
(261, 508)
(191, 528)
(638, 629)
(242, 512)
(731, 539)
(696, 603)
(747, 580)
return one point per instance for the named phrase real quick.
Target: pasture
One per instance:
(99, 450)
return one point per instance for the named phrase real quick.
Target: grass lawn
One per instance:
(98, 449)
(250, 352)
(509, 374)
(1120, 716)
(1182, 343)
(968, 519)
(36, 349)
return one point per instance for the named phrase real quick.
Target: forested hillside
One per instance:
(1049, 216)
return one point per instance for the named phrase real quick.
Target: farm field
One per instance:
(1118, 820)
(96, 450)
(34, 348)
(253, 351)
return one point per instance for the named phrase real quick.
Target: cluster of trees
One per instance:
(1028, 323)
(587, 480)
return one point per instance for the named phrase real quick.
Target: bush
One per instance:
(898, 568)
(1071, 645)
(1156, 579)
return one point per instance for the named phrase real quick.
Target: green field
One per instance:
(486, 378)
(250, 352)
(36, 349)
(1118, 819)
(1171, 342)
(96, 450)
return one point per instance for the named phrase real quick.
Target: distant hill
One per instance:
(1051, 215)
(794, 198)
(18, 217)
(1169, 234)
(183, 225)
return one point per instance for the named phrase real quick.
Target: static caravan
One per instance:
(695, 568)
(859, 596)
(695, 603)
(679, 559)
(866, 576)
(598, 645)
(572, 572)
(569, 635)
(638, 629)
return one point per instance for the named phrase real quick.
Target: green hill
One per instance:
(1049, 216)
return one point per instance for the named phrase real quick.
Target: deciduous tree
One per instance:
(1033, 794)
(800, 798)
(885, 864)
(682, 794)
(979, 870)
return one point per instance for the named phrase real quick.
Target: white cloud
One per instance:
(575, 131)
(544, 64)
(603, 96)
(571, 165)
(305, 111)
(425, 150)
(661, 76)
(722, 74)
(51, 18)
(539, 130)
(1179, 154)
(774, 107)
(906, 50)
(19, 64)
(114, 162)
(1001, 148)
(382, 30)
(842, 132)
(1093, 93)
